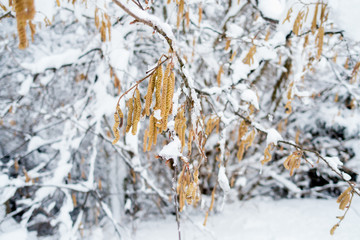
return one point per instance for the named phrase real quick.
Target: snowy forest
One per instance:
(177, 116)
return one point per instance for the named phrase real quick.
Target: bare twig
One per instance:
(176, 201)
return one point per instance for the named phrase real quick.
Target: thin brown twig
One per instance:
(176, 202)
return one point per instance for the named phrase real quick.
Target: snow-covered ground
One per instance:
(262, 219)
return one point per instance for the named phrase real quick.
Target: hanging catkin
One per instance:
(130, 113)
(164, 97)
(170, 93)
(149, 93)
(151, 133)
(33, 30)
(21, 28)
(118, 117)
(137, 110)
(25, 10)
(158, 81)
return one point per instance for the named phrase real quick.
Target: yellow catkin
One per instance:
(21, 28)
(293, 161)
(149, 93)
(118, 110)
(242, 131)
(187, 18)
(298, 22)
(207, 127)
(100, 184)
(103, 31)
(288, 108)
(306, 41)
(108, 25)
(297, 136)
(211, 205)
(3, 7)
(170, 93)
(241, 150)
(137, 112)
(218, 78)
(180, 180)
(58, 3)
(180, 126)
(346, 65)
(210, 125)
(250, 139)
(200, 13)
(288, 15)
(163, 98)
(267, 36)
(115, 128)
(189, 193)
(249, 58)
(27, 178)
(180, 13)
(344, 202)
(16, 166)
(320, 41)
(152, 132)
(33, 30)
(355, 73)
(289, 93)
(344, 198)
(267, 154)
(97, 22)
(332, 231)
(158, 82)
(73, 196)
(130, 113)
(25, 10)
(227, 44)
(322, 13)
(232, 56)
(117, 84)
(118, 117)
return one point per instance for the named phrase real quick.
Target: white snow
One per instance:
(171, 150)
(346, 15)
(273, 136)
(334, 162)
(223, 180)
(249, 96)
(44, 8)
(157, 114)
(6, 192)
(53, 61)
(272, 8)
(346, 176)
(34, 143)
(25, 86)
(261, 219)
(10, 229)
